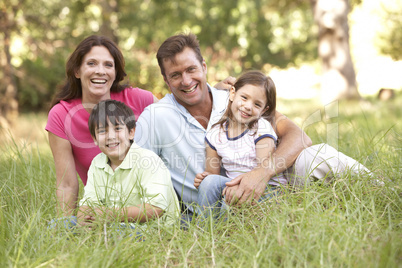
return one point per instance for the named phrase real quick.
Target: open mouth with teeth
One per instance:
(98, 81)
(243, 114)
(190, 90)
(112, 145)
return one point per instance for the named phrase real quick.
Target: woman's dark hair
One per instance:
(258, 79)
(110, 110)
(71, 89)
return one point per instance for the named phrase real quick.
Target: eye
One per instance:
(243, 97)
(101, 130)
(258, 105)
(90, 63)
(119, 127)
(109, 64)
(174, 76)
(192, 69)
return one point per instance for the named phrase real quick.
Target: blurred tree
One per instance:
(338, 74)
(8, 89)
(235, 35)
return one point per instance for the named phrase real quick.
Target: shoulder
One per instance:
(98, 161)
(265, 129)
(144, 157)
(64, 106)
(166, 106)
(136, 152)
(136, 98)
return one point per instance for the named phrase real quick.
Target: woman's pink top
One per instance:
(69, 120)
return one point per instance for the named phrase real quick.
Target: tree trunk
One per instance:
(338, 74)
(109, 19)
(8, 88)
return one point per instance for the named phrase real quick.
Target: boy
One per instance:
(126, 183)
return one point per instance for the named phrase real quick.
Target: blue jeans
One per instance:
(211, 201)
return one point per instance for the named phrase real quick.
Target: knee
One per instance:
(209, 182)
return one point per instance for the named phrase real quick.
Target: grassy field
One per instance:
(349, 223)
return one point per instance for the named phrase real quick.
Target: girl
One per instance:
(241, 141)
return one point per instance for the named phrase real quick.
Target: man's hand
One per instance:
(246, 188)
(226, 84)
(199, 178)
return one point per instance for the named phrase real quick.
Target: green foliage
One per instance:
(390, 40)
(234, 35)
(349, 223)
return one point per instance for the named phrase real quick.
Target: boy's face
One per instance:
(114, 141)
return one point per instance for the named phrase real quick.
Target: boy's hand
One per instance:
(199, 178)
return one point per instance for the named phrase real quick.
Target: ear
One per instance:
(95, 141)
(131, 134)
(232, 93)
(77, 74)
(204, 66)
(166, 81)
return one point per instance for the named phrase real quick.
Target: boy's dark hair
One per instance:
(175, 45)
(114, 111)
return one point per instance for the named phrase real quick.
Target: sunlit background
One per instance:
(279, 38)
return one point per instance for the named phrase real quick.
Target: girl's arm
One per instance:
(256, 179)
(66, 178)
(212, 165)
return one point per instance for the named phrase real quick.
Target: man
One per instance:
(175, 127)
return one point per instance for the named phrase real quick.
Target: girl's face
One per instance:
(248, 103)
(97, 73)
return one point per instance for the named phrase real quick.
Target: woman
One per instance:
(94, 72)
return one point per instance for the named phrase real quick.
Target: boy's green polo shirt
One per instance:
(141, 178)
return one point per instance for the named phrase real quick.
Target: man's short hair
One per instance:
(176, 44)
(115, 111)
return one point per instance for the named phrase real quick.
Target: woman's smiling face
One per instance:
(97, 74)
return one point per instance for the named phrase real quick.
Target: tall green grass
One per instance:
(349, 223)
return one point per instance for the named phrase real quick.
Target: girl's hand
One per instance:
(199, 178)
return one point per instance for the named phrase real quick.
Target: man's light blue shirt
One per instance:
(169, 130)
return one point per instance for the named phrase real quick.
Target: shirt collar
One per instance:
(219, 103)
(127, 163)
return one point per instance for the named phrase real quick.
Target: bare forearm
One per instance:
(293, 141)
(287, 152)
(142, 213)
(67, 200)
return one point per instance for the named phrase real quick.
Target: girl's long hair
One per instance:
(258, 79)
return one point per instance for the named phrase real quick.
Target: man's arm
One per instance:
(292, 142)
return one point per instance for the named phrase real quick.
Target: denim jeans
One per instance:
(211, 201)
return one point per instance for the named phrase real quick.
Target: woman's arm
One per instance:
(67, 185)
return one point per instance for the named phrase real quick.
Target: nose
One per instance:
(100, 70)
(247, 105)
(111, 133)
(186, 79)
